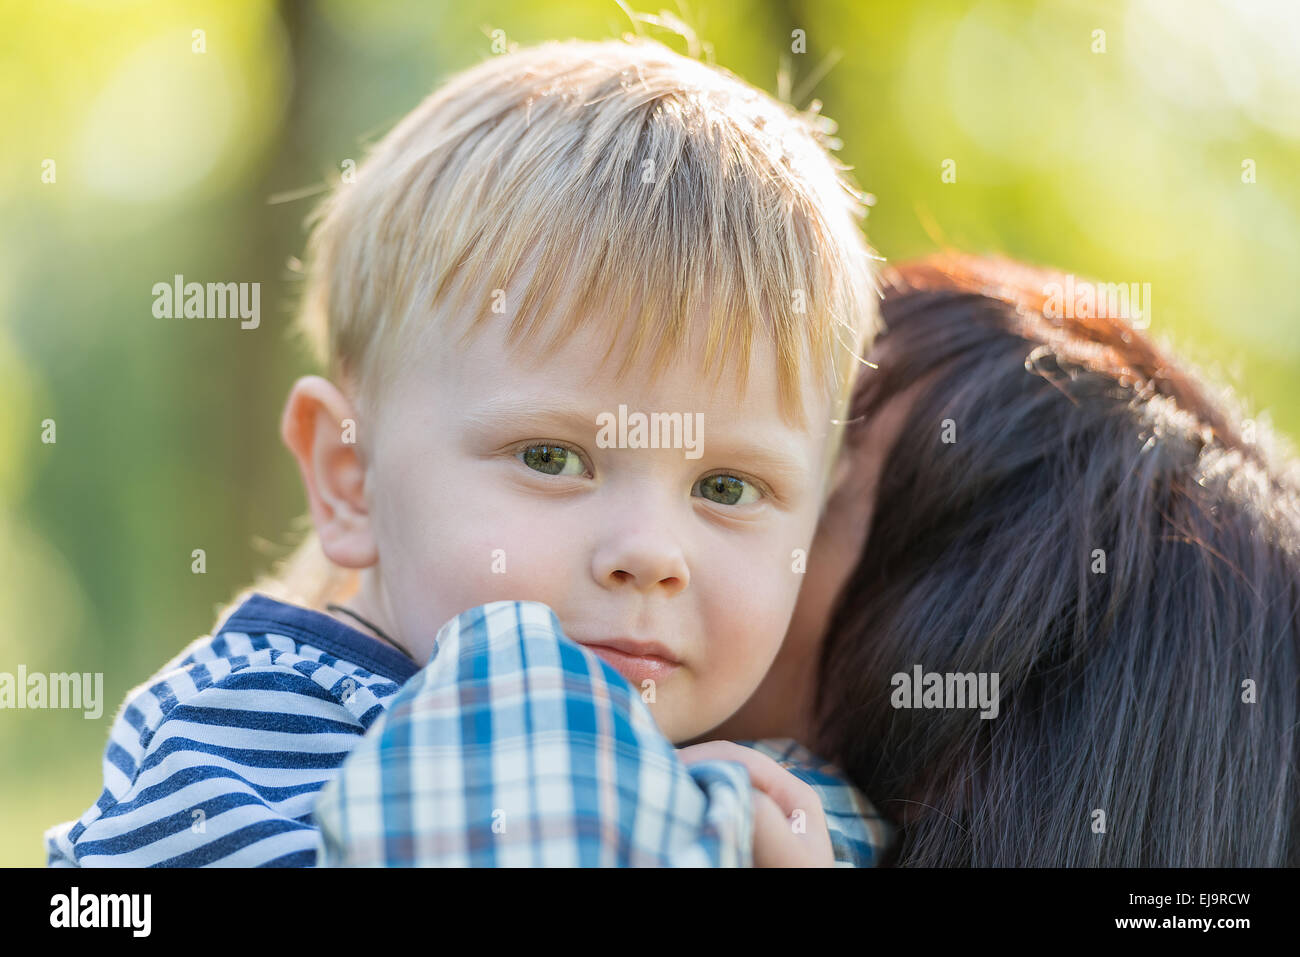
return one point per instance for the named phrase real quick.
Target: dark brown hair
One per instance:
(1120, 691)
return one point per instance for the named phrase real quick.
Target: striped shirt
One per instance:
(518, 747)
(220, 758)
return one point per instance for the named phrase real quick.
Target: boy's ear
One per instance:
(319, 426)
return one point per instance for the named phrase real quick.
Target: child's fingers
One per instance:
(789, 793)
(778, 844)
(772, 840)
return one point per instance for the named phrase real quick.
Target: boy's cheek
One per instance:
(472, 536)
(486, 567)
(751, 645)
(736, 662)
(680, 708)
(692, 708)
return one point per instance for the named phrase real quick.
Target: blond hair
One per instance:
(614, 182)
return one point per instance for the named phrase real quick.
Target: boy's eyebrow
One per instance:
(767, 457)
(505, 412)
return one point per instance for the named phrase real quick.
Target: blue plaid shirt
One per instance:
(515, 746)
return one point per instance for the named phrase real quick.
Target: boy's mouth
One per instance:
(637, 661)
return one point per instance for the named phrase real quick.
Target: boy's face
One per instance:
(485, 481)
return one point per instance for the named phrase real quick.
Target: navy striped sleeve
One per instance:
(218, 759)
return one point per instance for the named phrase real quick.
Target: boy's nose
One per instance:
(647, 561)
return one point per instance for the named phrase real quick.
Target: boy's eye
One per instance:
(558, 460)
(727, 490)
(552, 460)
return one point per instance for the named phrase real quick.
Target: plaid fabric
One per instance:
(859, 835)
(516, 746)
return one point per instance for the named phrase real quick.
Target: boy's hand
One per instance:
(778, 794)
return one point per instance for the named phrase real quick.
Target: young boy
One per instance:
(588, 313)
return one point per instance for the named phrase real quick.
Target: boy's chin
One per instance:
(681, 729)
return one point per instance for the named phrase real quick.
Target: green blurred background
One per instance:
(1124, 165)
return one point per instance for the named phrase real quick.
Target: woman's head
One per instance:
(1062, 507)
